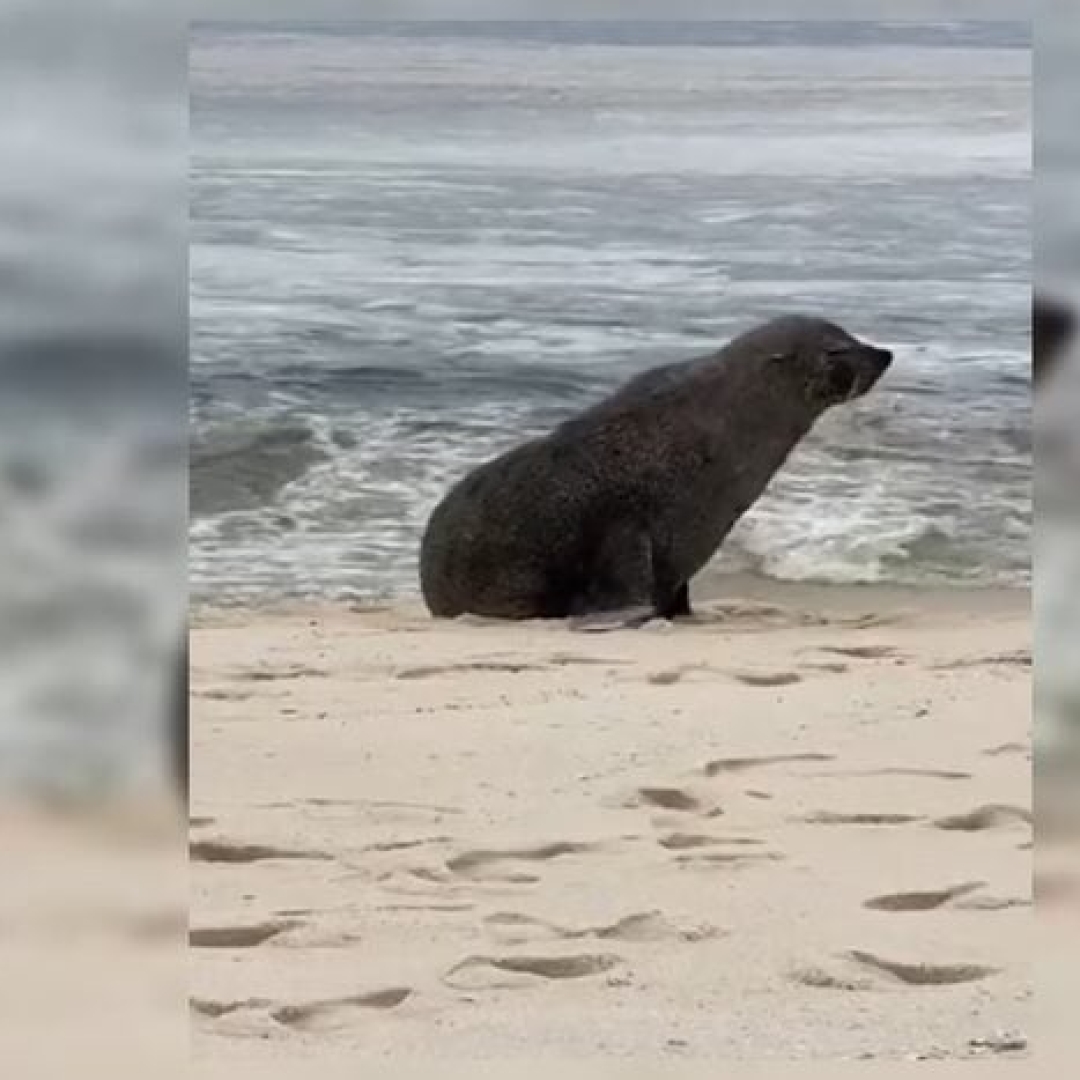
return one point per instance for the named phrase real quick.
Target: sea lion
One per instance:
(1052, 328)
(615, 510)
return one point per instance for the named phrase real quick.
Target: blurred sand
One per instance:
(796, 829)
(92, 921)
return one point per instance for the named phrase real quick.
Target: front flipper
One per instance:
(619, 588)
(678, 607)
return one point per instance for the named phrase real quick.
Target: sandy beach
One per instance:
(797, 828)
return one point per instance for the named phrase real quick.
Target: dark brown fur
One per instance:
(619, 507)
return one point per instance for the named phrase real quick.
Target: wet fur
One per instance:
(619, 507)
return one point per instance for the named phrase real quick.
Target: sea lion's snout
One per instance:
(837, 366)
(879, 361)
(883, 357)
(870, 364)
(847, 371)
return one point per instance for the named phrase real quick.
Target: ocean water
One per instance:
(416, 245)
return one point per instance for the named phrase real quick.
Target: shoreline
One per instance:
(916, 603)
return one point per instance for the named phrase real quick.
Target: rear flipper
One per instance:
(599, 622)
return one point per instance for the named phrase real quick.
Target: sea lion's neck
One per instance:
(769, 417)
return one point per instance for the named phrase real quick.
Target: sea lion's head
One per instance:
(826, 363)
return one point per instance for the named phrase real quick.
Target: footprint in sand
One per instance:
(492, 865)
(991, 816)
(926, 900)
(766, 678)
(240, 937)
(679, 841)
(1020, 658)
(832, 667)
(511, 928)
(488, 972)
(277, 674)
(665, 798)
(916, 773)
(741, 764)
(229, 851)
(496, 667)
(671, 676)
(895, 972)
(430, 875)
(406, 845)
(335, 1013)
(734, 859)
(214, 1010)
(861, 652)
(443, 908)
(831, 817)
(923, 974)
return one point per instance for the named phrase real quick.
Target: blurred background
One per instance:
(1057, 275)
(93, 281)
(92, 391)
(1057, 534)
